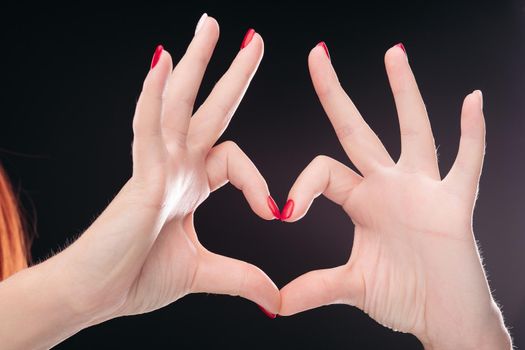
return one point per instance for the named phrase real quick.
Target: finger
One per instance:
(148, 144)
(227, 162)
(212, 118)
(418, 150)
(339, 285)
(222, 275)
(323, 175)
(184, 84)
(466, 170)
(360, 143)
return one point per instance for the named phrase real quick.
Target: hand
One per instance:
(414, 265)
(143, 252)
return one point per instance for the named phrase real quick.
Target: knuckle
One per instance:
(346, 130)
(242, 282)
(321, 160)
(230, 146)
(202, 59)
(177, 103)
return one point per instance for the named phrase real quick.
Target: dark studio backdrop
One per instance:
(70, 80)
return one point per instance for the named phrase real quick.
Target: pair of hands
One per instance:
(414, 265)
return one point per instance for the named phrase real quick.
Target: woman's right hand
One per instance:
(143, 252)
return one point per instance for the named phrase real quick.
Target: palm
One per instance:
(414, 259)
(168, 271)
(402, 233)
(172, 262)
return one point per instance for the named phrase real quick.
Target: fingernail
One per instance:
(156, 56)
(274, 208)
(266, 312)
(323, 45)
(287, 210)
(247, 38)
(402, 47)
(200, 23)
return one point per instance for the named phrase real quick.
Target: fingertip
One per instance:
(270, 299)
(267, 313)
(274, 208)
(479, 96)
(268, 216)
(474, 102)
(316, 56)
(258, 38)
(395, 57)
(166, 62)
(472, 120)
(288, 210)
(214, 23)
(156, 79)
(397, 51)
(210, 26)
(256, 43)
(160, 67)
(264, 209)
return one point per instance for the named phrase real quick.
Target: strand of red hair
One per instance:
(13, 243)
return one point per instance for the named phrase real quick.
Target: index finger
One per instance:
(360, 143)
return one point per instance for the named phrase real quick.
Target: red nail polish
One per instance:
(402, 47)
(287, 210)
(156, 56)
(325, 48)
(266, 312)
(247, 38)
(274, 208)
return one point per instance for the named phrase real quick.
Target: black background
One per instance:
(70, 80)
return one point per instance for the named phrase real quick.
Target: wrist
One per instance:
(100, 266)
(36, 300)
(489, 334)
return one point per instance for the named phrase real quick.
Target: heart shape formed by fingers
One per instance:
(403, 230)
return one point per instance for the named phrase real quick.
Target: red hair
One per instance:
(13, 243)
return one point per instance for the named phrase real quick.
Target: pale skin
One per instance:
(143, 253)
(414, 265)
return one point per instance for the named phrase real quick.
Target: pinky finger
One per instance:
(148, 144)
(466, 170)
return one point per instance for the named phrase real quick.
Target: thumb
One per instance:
(222, 275)
(339, 285)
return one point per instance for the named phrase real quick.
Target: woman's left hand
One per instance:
(414, 265)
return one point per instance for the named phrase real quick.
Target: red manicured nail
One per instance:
(156, 56)
(274, 208)
(323, 45)
(402, 47)
(247, 38)
(287, 210)
(266, 312)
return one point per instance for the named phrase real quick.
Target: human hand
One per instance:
(143, 252)
(414, 265)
